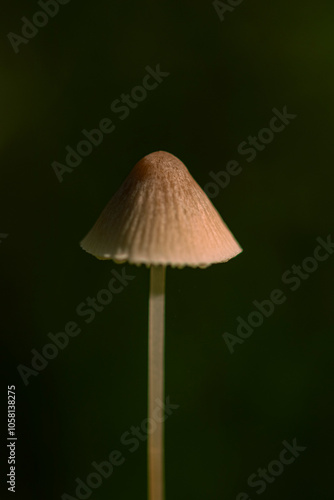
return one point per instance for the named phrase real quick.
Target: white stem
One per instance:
(156, 384)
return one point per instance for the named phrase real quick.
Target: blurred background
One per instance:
(225, 69)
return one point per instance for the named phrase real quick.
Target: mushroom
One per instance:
(160, 216)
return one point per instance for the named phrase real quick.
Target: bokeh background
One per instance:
(225, 78)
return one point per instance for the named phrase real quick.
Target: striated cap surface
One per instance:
(160, 215)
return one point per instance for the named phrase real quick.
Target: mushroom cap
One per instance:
(161, 216)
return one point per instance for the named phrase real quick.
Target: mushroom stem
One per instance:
(155, 442)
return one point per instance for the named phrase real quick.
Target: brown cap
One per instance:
(160, 215)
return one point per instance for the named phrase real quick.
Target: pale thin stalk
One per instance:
(156, 466)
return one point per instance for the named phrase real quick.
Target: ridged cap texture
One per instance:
(161, 216)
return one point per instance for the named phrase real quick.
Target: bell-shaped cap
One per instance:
(160, 215)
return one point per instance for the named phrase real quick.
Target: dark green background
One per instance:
(225, 79)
